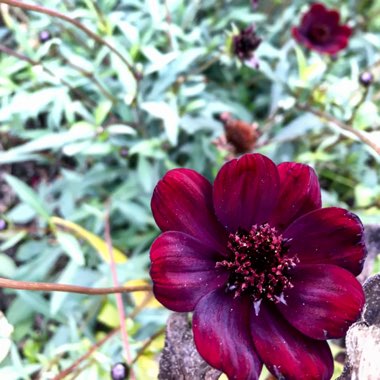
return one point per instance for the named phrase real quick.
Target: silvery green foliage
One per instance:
(77, 129)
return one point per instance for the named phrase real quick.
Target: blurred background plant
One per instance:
(98, 99)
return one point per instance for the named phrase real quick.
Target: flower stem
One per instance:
(119, 298)
(49, 287)
(90, 33)
(361, 135)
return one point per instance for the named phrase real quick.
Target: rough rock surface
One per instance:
(179, 359)
(363, 338)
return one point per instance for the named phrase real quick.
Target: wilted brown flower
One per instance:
(240, 134)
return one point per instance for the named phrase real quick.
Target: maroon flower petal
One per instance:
(318, 9)
(340, 40)
(286, 352)
(183, 270)
(345, 31)
(332, 18)
(221, 335)
(182, 201)
(328, 236)
(316, 12)
(245, 191)
(299, 193)
(324, 302)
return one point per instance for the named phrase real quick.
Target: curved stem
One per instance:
(119, 298)
(359, 134)
(62, 375)
(90, 33)
(49, 287)
(90, 103)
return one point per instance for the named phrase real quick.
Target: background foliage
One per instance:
(81, 131)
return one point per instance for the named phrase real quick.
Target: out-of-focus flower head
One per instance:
(321, 31)
(244, 44)
(268, 272)
(242, 136)
(254, 3)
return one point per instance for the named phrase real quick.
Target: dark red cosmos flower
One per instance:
(320, 30)
(269, 274)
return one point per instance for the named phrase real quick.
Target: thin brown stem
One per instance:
(148, 343)
(91, 76)
(33, 62)
(169, 22)
(119, 298)
(359, 134)
(77, 362)
(49, 287)
(18, 55)
(90, 33)
(357, 106)
(97, 345)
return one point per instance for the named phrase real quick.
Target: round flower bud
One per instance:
(44, 36)
(124, 152)
(366, 78)
(119, 371)
(3, 225)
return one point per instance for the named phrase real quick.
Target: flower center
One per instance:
(258, 264)
(320, 33)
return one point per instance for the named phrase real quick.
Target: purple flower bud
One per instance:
(44, 36)
(366, 78)
(119, 371)
(3, 225)
(124, 152)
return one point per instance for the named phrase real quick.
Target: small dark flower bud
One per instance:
(245, 43)
(3, 225)
(124, 152)
(44, 36)
(119, 371)
(254, 3)
(366, 78)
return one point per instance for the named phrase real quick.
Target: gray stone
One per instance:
(179, 359)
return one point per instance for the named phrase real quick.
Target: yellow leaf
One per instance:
(109, 315)
(147, 368)
(139, 297)
(96, 242)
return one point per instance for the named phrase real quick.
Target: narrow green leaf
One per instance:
(71, 246)
(27, 195)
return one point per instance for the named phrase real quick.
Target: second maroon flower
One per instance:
(320, 30)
